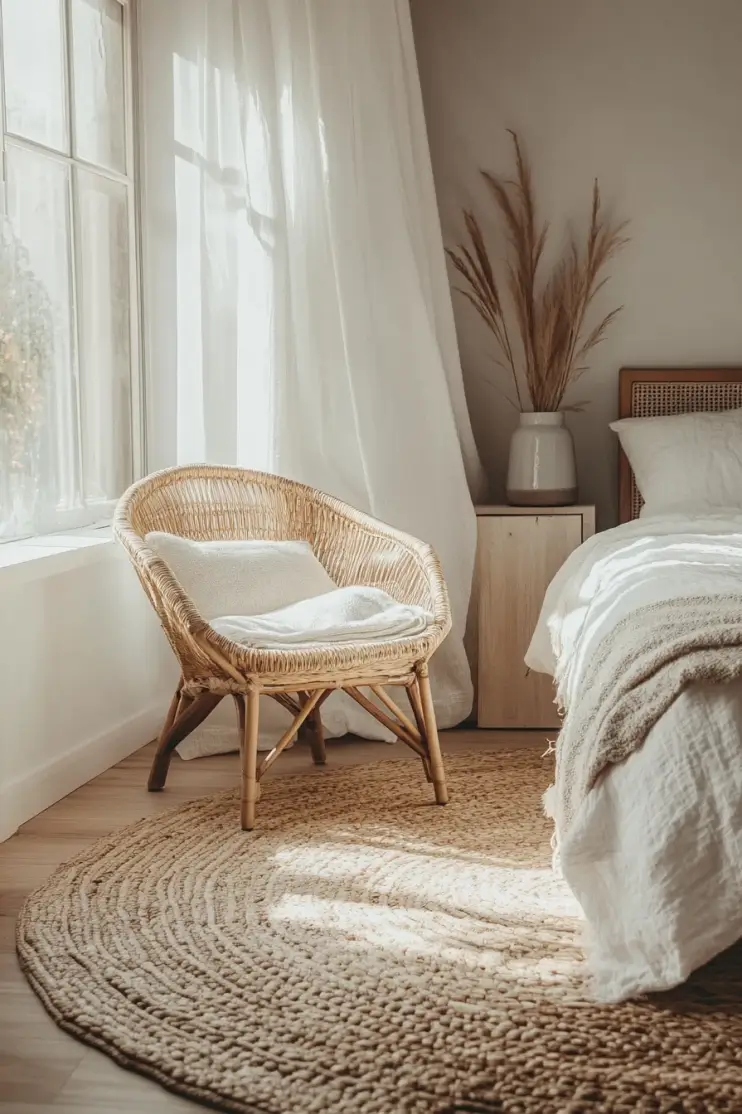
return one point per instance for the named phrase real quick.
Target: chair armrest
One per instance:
(183, 625)
(358, 549)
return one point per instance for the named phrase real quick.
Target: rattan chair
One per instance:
(211, 502)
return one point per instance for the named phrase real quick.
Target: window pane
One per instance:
(38, 208)
(25, 357)
(33, 56)
(98, 73)
(105, 389)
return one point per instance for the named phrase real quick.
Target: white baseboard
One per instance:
(30, 794)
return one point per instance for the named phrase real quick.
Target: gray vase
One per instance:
(541, 468)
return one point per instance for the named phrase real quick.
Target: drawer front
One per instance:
(517, 556)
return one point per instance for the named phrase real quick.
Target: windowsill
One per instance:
(51, 554)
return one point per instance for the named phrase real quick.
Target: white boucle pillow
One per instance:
(686, 463)
(242, 577)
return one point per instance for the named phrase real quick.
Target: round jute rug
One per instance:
(366, 952)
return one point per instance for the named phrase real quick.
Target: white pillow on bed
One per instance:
(688, 463)
(242, 577)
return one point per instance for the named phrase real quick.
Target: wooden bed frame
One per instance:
(657, 392)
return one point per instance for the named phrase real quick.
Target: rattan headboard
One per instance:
(653, 393)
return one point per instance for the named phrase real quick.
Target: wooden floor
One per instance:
(44, 1069)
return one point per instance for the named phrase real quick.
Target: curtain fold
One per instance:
(297, 305)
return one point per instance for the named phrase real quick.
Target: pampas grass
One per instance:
(550, 314)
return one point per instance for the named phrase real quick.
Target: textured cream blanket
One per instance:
(641, 666)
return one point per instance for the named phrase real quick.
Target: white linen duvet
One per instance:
(655, 854)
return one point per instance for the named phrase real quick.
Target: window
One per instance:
(70, 437)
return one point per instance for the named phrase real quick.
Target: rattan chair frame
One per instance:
(208, 502)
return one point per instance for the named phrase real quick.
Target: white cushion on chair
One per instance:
(351, 614)
(242, 577)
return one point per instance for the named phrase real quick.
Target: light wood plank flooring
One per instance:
(44, 1069)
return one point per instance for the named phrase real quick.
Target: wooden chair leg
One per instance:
(317, 738)
(189, 715)
(313, 733)
(239, 701)
(161, 761)
(249, 793)
(413, 695)
(437, 771)
(172, 711)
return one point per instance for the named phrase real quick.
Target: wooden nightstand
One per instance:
(519, 549)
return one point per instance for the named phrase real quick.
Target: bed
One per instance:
(652, 845)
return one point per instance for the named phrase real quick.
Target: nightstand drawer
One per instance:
(518, 554)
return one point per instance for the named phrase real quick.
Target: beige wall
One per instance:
(645, 94)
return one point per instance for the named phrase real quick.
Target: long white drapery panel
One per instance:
(296, 294)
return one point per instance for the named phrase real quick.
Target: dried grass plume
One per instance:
(550, 314)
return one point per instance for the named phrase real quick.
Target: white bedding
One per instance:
(655, 854)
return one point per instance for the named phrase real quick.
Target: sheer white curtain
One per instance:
(296, 294)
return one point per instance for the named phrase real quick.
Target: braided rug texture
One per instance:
(366, 952)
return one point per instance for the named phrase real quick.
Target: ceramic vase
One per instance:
(541, 469)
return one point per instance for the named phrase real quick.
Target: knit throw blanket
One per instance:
(640, 668)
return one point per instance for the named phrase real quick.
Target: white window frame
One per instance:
(95, 512)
